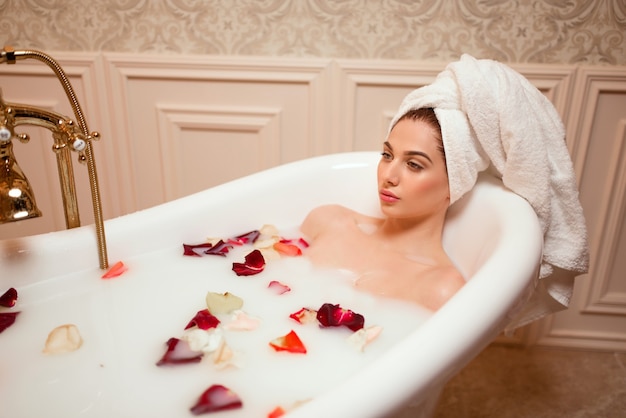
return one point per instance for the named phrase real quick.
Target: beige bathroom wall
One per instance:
(579, 31)
(188, 97)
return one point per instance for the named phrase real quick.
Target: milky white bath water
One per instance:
(126, 321)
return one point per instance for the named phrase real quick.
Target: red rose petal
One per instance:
(203, 320)
(7, 319)
(330, 315)
(276, 412)
(117, 269)
(190, 249)
(216, 398)
(304, 315)
(287, 249)
(254, 264)
(290, 342)
(9, 298)
(278, 287)
(247, 238)
(220, 248)
(178, 352)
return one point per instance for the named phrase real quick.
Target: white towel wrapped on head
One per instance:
(490, 115)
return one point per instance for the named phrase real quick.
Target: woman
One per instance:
(400, 255)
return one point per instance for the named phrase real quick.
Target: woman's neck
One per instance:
(415, 239)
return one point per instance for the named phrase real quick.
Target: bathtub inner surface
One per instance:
(125, 322)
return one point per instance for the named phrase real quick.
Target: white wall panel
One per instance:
(204, 147)
(226, 118)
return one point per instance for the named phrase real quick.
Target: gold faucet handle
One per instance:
(5, 134)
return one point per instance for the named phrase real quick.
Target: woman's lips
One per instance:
(387, 196)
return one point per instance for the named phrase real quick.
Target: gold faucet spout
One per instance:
(66, 136)
(17, 200)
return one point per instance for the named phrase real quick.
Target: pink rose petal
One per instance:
(241, 321)
(278, 287)
(117, 270)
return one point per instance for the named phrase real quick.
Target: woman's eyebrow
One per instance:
(420, 153)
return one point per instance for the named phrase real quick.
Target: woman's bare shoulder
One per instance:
(333, 216)
(445, 281)
(323, 217)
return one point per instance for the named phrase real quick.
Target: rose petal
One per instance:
(190, 249)
(7, 319)
(242, 322)
(289, 342)
(287, 249)
(179, 352)
(364, 336)
(216, 398)
(219, 303)
(278, 287)
(269, 254)
(247, 238)
(63, 339)
(254, 264)
(203, 320)
(277, 412)
(255, 260)
(9, 298)
(220, 248)
(223, 356)
(266, 243)
(201, 340)
(304, 316)
(118, 269)
(269, 230)
(330, 315)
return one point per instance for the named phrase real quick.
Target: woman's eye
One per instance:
(385, 155)
(415, 166)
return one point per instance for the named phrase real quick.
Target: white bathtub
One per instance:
(492, 235)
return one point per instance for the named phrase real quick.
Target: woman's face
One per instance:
(412, 177)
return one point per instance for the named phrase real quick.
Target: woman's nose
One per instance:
(390, 174)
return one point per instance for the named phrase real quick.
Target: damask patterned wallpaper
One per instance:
(546, 31)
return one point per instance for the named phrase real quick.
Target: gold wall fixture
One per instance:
(17, 200)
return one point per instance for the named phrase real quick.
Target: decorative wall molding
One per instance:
(602, 340)
(261, 127)
(356, 77)
(589, 84)
(300, 86)
(601, 298)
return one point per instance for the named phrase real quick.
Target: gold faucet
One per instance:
(17, 200)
